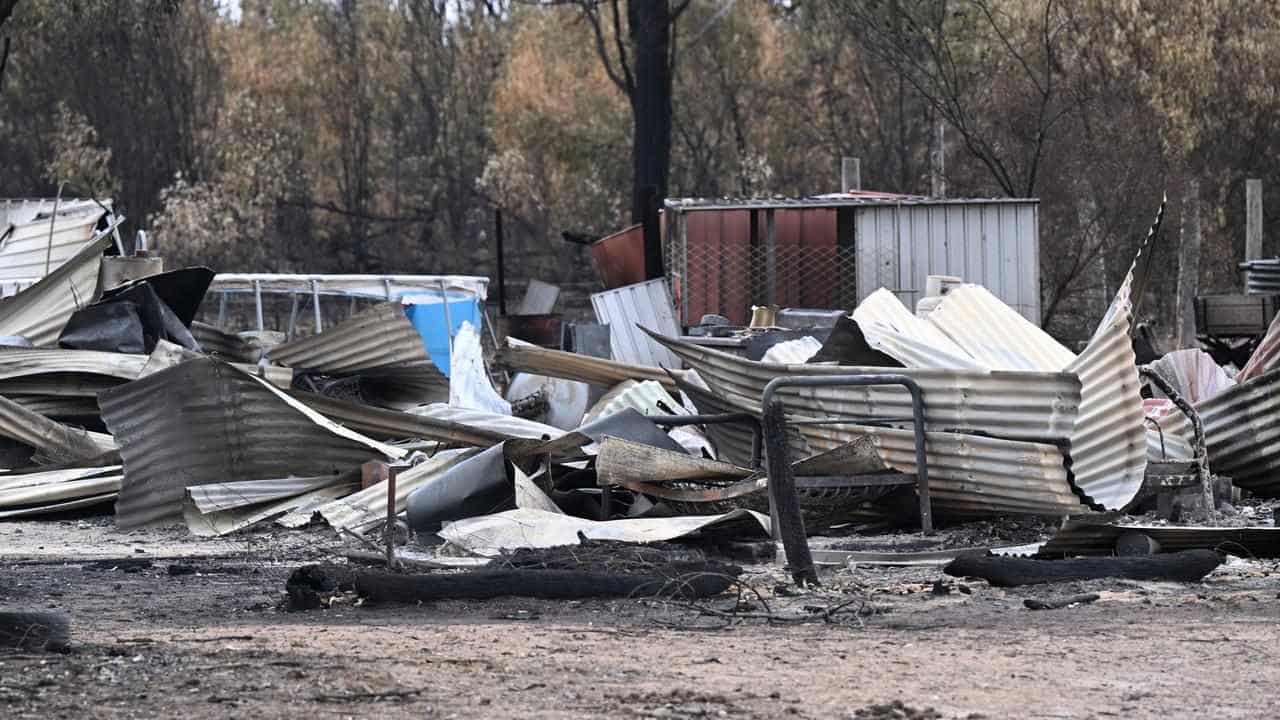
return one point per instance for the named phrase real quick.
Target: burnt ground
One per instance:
(214, 643)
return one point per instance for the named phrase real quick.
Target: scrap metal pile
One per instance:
(121, 398)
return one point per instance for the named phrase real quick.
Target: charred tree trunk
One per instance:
(649, 22)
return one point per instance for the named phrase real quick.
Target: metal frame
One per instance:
(1197, 426)
(917, 417)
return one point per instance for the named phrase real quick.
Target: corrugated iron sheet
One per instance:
(40, 312)
(645, 397)
(793, 352)
(890, 327)
(1081, 538)
(1003, 404)
(224, 345)
(47, 492)
(223, 522)
(62, 366)
(1242, 431)
(1262, 277)
(379, 336)
(53, 441)
(204, 421)
(626, 310)
(996, 335)
(28, 251)
(968, 474)
(1109, 441)
(1193, 374)
(994, 244)
(1266, 356)
(362, 510)
(520, 356)
(423, 423)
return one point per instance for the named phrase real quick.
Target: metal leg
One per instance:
(784, 498)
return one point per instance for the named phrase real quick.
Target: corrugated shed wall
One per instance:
(995, 245)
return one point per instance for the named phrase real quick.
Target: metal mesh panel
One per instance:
(728, 280)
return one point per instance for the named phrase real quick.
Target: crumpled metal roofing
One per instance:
(360, 511)
(525, 357)
(205, 421)
(1005, 404)
(1242, 432)
(1108, 442)
(1193, 374)
(795, 352)
(379, 336)
(1265, 356)
(29, 251)
(52, 440)
(426, 423)
(968, 474)
(1085, 538)
(646, 397)
(57, 363)
(890, 327)
(40, 312)
(222, 522)
(996, 335)
(51, 490)
(224, 345)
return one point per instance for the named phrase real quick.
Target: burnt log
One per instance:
(307, 586)
(1185, 566)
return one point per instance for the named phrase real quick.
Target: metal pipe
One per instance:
(222, 309)
(293, 317)
(315, 305)
(257, 301)
(502, 270)
(48, 253)
(448, 321)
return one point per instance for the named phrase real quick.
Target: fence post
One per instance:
(938, 163)
(1188, 264)
(850, 174)
(1253, 220)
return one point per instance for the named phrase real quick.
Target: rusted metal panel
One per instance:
(619, 258)
(204, 421)
(379, 336)
(40, 312)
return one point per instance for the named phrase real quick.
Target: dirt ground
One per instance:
(214, 643)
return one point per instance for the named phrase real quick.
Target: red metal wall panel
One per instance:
(722, 263)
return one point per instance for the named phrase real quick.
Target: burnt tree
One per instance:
(641, 62)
